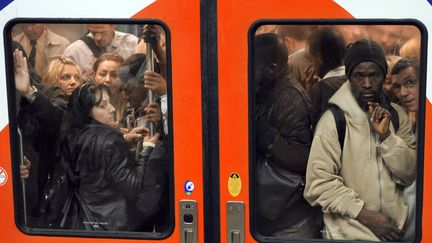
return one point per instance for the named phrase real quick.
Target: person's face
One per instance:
(387, 36)
(135, 96)
(107, 73)
(387, 85)
(366, 83)
(32, 31)
(406, 86)
(69, 79)
(103, 34)
(104, 112)
(264, 75)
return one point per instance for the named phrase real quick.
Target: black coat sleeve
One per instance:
(293, 133)
(48, 108)
(138, 182)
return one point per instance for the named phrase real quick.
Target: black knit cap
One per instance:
(362, 51)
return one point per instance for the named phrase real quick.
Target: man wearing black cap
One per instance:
(359, 183)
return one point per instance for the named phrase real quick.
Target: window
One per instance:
(321, 92)
(90, 119)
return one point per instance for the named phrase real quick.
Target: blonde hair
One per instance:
(55, 68)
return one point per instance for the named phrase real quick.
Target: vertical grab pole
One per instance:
(22, 181)
(150, 67)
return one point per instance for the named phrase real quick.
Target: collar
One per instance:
(339, 71)
(297, 51)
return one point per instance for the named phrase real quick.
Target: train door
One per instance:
(174, 57)
(239, 24)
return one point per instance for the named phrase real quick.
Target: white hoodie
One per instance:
(367, 174)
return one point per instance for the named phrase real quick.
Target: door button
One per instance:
(188, 218)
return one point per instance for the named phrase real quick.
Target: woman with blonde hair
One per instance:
(64, 73)
(41, 108)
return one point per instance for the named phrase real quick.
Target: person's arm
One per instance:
(383, 226)
(398, 150)
(288, 140)
(123, 171)
(153, 34)
(140, 182)
(149, 144)
(47, 110)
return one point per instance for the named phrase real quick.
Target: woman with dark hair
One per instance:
(116, 192)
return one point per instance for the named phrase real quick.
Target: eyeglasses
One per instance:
(408, 84)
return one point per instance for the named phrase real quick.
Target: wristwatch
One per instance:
(32, 96)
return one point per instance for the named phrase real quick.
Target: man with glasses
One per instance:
(405, 84)
(405, 76)
(359, 182)
(101, 38)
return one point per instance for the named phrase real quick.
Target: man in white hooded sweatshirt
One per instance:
(360, 186)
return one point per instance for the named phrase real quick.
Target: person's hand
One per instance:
(152, 34)
(383, 226)
(155, 139)
(311, 78)
(134, 135)
(25, 169)
(155, 82)
(153, 112)
(379, 119)
(22, 76)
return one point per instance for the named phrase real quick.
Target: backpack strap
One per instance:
(97, 51)
(394, 117)
(340, 123)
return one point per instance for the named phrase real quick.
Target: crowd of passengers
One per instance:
(337, 106)
(83, 108)
(85, 114)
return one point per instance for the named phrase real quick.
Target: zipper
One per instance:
(378, 159)
(380, 168)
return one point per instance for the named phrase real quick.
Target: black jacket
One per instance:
(284, 134)
(119, 192)
(40, 122)
(284, 125)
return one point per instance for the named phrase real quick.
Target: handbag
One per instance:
(62, 205)
(277, 189)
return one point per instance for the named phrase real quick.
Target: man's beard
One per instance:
(363, 98)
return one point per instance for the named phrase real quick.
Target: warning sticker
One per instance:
(3, 176)
(234, 184)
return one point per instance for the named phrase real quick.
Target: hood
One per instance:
(345, 100)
